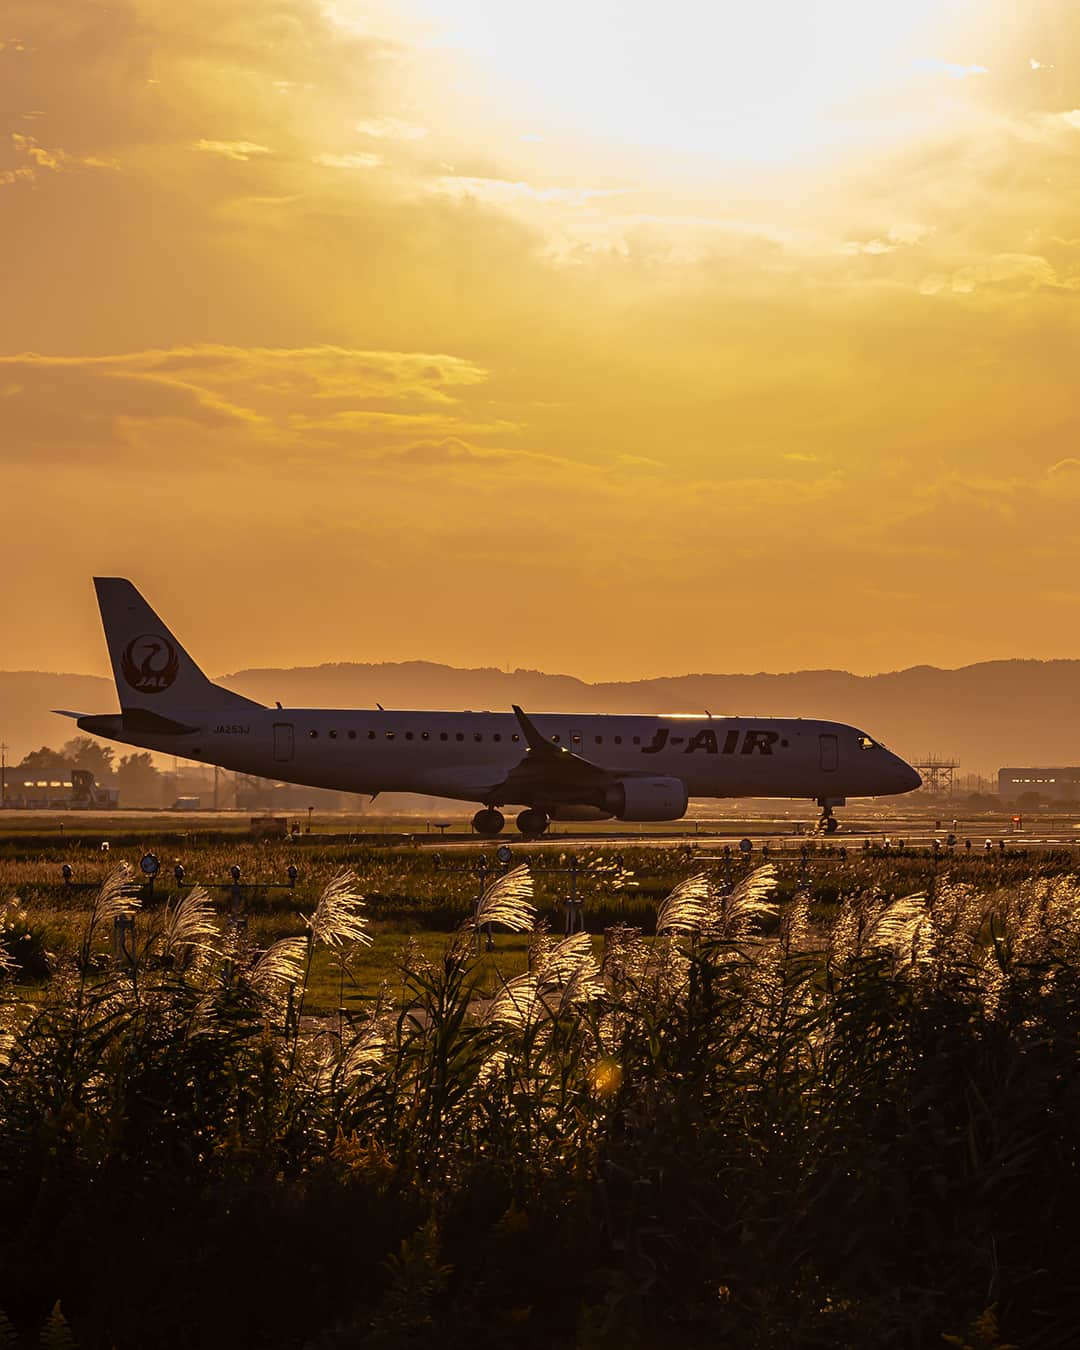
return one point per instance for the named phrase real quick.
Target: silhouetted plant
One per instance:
(761, 1127)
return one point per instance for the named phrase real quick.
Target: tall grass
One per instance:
(759, 1128)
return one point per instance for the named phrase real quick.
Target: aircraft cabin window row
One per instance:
(426, 736)
(497, 736)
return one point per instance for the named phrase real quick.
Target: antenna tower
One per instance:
(938, 774)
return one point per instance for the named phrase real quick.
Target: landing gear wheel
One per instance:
(488, 821)
(532, 821)
(830, 824)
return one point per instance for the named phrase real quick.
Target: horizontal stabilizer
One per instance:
(63, 712)
(134, 722)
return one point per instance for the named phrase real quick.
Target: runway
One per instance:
(778, 832)
(904, 831)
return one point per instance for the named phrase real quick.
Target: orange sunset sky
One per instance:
(617, 339)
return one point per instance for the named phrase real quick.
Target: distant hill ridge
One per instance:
(988, 715)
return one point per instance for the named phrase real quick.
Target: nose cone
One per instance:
(909, 778)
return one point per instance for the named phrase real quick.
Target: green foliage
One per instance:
(83, 752)
(25, 940)
(765, 1126)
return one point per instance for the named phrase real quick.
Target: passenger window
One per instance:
(637, 740)
(389, 735)
(617, 740)
(408, 735)
(575, 739)
(459, 735)
(515, 737)
(497, 736)
(333, 735)
(443, 736)
(425, 735)
(352, 735)
(555, 739)
(371, 735)
(478, 736)
(599, 740)
(314, 735)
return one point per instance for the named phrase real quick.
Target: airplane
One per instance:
(555, 766)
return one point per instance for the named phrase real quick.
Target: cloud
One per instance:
(954, 69)
(392, 129)
(69, 406)
(898, 236)
(1063, 477)
(239, 150)
(22, 174)
(353, 161)
(321, 373)
(367, 299)
(32, 157)
(502, 192)
(323, 396)
(1003, 272)
(452, 450)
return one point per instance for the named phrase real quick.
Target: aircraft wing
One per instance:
(549, 771)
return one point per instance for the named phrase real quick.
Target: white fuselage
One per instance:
(465, 755)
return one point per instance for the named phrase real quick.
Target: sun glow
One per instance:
(740, 81)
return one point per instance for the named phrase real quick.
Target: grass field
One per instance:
(825, 1100)
(420, 896)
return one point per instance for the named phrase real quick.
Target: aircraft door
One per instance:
(283, 742)
(830, 753)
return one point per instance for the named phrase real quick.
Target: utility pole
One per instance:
(3, 774)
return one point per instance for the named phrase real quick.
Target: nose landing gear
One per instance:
(488, 821)
(827, 822)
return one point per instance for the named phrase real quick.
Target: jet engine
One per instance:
(647, 799)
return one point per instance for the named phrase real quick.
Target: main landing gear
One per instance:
(532, 821)
(488, 821)
(827, 822)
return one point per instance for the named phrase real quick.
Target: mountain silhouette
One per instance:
(988, 715)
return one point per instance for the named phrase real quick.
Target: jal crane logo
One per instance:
(150, 664)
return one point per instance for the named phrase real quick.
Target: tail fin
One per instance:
(152, 671)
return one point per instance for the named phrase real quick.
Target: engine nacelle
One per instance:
(647, 799)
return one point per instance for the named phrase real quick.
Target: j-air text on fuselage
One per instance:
(556, 766)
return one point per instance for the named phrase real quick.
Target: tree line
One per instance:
(138, 779)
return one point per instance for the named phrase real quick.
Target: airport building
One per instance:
(65, 789)
(1054, 784)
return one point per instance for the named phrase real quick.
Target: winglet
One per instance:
(533, 738)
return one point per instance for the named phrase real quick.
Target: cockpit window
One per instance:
(867, 743)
